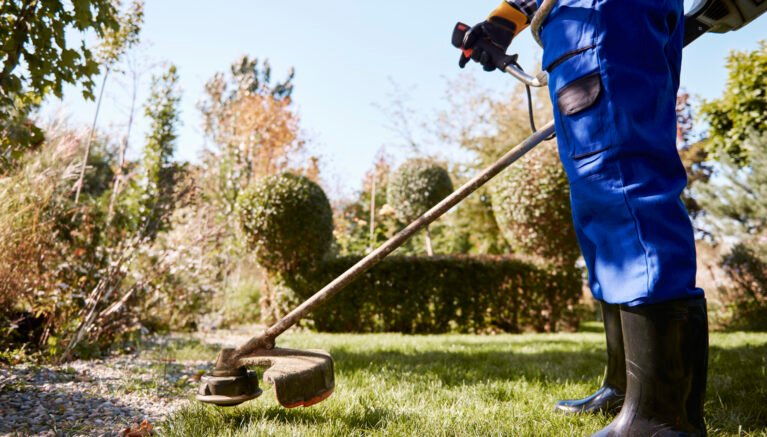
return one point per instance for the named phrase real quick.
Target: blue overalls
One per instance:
(614, 74)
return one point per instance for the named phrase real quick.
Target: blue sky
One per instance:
(346, 53)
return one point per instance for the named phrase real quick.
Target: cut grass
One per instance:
(389, 384)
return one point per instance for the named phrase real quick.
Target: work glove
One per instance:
(500, 28)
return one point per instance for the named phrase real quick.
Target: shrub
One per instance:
(288, 222)
(747, 298)
(531, 202)
(443, 294)
(416, 186)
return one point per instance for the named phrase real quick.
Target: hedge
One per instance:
(445, 294)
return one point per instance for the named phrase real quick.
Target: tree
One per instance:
(252, 122)
(114, 44)
(734, 205)
(366, 221)
(34, 37)
(484, 123)
(416, 187)
(684, 120)
(526, 209)
(737, 200)
(159, 171)
(743, 106)
(36, 60)
(18, 133)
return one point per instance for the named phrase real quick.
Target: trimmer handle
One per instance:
(504, 62)
(499, 57)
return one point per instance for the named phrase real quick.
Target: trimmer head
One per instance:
(300, 379)
(227, 388)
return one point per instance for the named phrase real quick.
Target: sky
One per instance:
(347, 54)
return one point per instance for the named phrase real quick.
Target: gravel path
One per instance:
(103, 397)
(95, 397)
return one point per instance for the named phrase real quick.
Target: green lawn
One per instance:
(475, 385)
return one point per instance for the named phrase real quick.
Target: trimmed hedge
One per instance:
(445, 294)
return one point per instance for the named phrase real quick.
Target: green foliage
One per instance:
(486, 123)
(241, 303)
(116, 41)
(159, 172)
(34, 36)
(531, 201)
(258, 79)
(288, 222)
(444, 294)
(743, 106)
(352, 221)
(18, 134)
(736, 202)
(699, 170)
(36, 59)
(746, 299)
(734, 206)
(416, 186)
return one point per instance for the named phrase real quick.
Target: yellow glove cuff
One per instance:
(512, 14)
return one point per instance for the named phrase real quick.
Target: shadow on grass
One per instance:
(369, 418)
(201, 420)
(475, 364)
(736, 397)
(736, 391)
(592, 326)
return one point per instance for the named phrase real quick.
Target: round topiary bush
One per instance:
(416, 186)
(288, 222)
(531, 203)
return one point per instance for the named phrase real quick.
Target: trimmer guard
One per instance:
(301, 378)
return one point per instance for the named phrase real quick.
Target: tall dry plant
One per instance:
(29, 198)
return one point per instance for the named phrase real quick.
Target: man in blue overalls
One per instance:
(613, 77)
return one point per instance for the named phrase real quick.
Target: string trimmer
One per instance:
(303, 378)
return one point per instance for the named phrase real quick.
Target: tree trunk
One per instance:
(429, 249)
(372, 237)
(81, 180)
(123, 149)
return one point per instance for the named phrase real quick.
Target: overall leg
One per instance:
(614, 73)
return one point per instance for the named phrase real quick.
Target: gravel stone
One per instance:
(90, 398)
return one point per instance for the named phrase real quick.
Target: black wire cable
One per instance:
(530, 109)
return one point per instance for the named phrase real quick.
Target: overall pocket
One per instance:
(581, 107)
(570, 26)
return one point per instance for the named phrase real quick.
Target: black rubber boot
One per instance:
(609, 397)
(667, 357)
